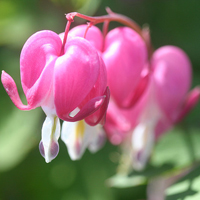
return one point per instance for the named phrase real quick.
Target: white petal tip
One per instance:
(51, 153)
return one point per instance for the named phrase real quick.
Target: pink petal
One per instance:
(99, 89)
(94, 35)
(172, 73)
(162, 126)
(89, 108)
(100, 115)
(119, 122)
(191, 101)
(100, 85)
(12, 91)
(76, 72)
(41, 90)
(140, 88)
(125, 55)
(37, 64)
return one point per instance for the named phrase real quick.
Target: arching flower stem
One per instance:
(106, 19)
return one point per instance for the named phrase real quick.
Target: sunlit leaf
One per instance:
(121, 181)
(19, 133)
(177, 148)
(187, 188)
(136, 178)
(16, 29)
(89, 7)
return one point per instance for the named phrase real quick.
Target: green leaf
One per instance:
(178, 148)
(187, 188)
(136, 178)
(175, 151)
(89, 7)
(122, 181)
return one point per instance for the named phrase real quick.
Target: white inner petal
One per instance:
(78, 136)
(50, 136)
(142, 143)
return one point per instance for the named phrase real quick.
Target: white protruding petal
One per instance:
(97, 137)
(78, 136)
(71, 135)
(49, 147)
(142, 144)
(143, 136)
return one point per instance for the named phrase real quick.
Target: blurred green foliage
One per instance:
(24, 173)
(187, 187)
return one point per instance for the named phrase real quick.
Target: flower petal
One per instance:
(94, 35)
(49, 146)
(76, 73)
(12, 91)
(37, 61)
(119, 122)
(100, 88)
(139, 90)
(97, 137)
(99, 116)
(125, 56)
(142, 143)
(78, 136)
(73, 135)
(172, 73)
(191, 100)
(89, 108)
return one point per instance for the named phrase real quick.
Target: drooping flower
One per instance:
(165, 102)
(125, 55)
(60, 77)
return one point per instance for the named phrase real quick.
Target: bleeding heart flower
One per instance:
(125, 55)
(60, 77)
(164, 103)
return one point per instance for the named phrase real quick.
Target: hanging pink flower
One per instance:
(125, 55)
(60, 77)
(164, 103)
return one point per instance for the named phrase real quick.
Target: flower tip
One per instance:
(109, 11)
(70, 16)
(99, 102)
(139, 166)
(3, 75)
(51, 154)
(41, 148)
(11, 89)
(191, 101)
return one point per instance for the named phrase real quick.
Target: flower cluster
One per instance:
(68, 80)
(68, 74)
